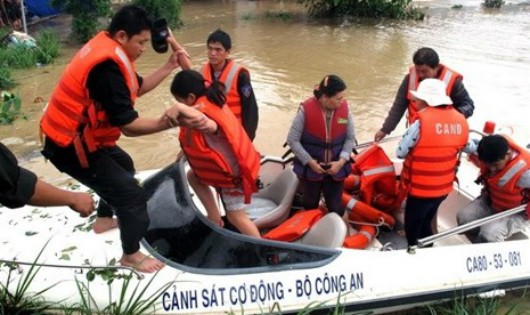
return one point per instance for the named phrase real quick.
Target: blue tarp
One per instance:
(40, 8)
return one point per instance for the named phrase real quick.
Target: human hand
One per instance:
(182, 56)
(334, 167)
(192, 117)
(316, 167)
(172, 114)
(379, 135)
(83, 204)
(173, 61)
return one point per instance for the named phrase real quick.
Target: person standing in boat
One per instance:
(239, 93)
(91, 106)
(322, 137)
(431, 147)
(505, 174)
(426, 66)
(19, 187)
(222, 155)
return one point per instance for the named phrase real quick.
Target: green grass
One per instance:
(20, 300)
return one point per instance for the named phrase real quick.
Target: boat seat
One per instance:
(330, 232)
(272, 205)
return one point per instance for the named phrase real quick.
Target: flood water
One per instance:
(286, 58)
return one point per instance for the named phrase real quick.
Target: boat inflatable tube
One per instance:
(367, 212)
(352, 182)
(361, 239)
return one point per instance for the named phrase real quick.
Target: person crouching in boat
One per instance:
(322, 137)
(505, 174)
(221, 155)
(431, 149)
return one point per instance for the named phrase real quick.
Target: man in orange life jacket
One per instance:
(505, 174)
(91, 106)
(239, 92)
(322, 138)
(426, 65)
(19, 186)
(431, 149)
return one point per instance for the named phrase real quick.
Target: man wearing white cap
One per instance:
(431, 149)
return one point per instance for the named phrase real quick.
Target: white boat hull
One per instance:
(358, 280)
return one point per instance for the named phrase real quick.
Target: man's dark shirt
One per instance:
(459, 95)
(106, 85)
(17, 185)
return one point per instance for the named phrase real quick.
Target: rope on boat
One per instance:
(77, 268)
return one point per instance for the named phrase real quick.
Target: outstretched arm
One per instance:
(396, 112)
(48, 195)
(179, 58)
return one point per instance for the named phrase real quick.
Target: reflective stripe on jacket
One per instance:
(324, 143)
(447, 75)
(229, 77)
(502, 186)
(71, 116)
(212, 167)
(430, 167)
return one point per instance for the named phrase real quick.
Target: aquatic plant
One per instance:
(5, 76)
(10, 108)
(19, 300)
(132, 300)
(47, 46)
(26, 56)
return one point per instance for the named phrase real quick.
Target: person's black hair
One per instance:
(329, 86)
(131, 19)
(220, 36)
(188, 82)
(492, 149)
(426, 56)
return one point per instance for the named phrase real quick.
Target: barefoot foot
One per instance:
(141, 262)
(103, 224)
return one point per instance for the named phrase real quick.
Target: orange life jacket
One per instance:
(212, 167)
(447, 75)
(502, 186)
(229, 76)
(378, 178)
(324, 143)
(294, 227)
(71, 116)
(430, 167)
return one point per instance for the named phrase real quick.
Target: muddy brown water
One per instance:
(287, 57)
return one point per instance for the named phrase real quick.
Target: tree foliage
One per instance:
(168, 9)
(493, 3)
(396, 9)
(86, 15)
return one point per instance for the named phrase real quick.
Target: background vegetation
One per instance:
(91, 16)
(88, 16)
(395, 9)
(168, 9)
(15, 54)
